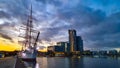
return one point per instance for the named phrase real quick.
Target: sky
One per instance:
(96, 21)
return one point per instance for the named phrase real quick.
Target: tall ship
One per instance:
(29, 45)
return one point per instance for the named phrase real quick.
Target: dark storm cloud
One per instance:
(43, 1)
(83, 17)
(4, 14)
(50, 33)
(5, 31)
(108, 6)
(14, 9)
(107, 33)
(55, 2)
(5, 36)
(95, 20)
(12, 13)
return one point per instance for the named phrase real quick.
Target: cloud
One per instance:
(105, 34)
(5, 36)
(95, 21)
(4, 14)
(108, 6)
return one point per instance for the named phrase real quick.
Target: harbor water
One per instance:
(84, 62)
(65, 62)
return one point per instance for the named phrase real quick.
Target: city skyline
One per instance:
(97, 21)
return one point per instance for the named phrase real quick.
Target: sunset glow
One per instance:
(7, 45)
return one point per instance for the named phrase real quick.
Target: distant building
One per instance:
(87, 52)
(60, 47)
(72, 40)
(79, 43)
(75, 42)
(50, 49)
(68, 48)
(63, 46)
(95, 52)
(113, 52)
(102, 52)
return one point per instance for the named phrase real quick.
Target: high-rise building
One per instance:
(72, 40)
(79, 43)
(75, 42)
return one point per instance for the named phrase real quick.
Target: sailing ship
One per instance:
(29, 47)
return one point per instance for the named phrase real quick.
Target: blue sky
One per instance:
(97, 21)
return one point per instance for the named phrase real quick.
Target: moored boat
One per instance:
(29, 48)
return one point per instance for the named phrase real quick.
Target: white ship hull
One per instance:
(28, 55)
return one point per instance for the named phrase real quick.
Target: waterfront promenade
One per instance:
(8, 62)
(11, 62)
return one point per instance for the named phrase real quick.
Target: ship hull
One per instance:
(28, 59)
(28, 55)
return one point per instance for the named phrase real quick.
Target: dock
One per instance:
(7, 62)
(11, 62)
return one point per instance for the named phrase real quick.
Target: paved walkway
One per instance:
(11, 62)
(7, 62)
(19, 64)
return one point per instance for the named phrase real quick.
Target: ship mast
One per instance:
(30, 42)
(29, 29)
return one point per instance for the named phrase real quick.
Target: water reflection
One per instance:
(42, 62)
(61, 62)
(76, 63)
(31, 64)
(56, 62)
